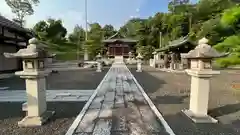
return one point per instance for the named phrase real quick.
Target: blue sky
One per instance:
(72, 12)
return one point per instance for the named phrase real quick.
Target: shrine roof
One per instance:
(12, 25)
(120, 40)
(175, 44)
(117, 37)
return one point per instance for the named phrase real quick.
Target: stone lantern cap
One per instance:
(99, 56)
(139, 56)
(203, 51)
(33, 50)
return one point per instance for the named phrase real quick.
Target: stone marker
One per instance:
(201, 72)
(139, 62)
(34, 58)
(99, 64)
(130, 58)
(154, 59)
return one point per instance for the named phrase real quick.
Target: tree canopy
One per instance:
(218, 20)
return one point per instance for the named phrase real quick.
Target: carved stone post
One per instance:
(154, 59)
(130, 58)
(34, 71)
(139, 62)
(108, 55)
(201, 72)
(173, 61)
(165, 60)
(99, 62)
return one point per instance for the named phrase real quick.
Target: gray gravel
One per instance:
(170, 93)
(73, 79)
(10, 113)
(57, 125)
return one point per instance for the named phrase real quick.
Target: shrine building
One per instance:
(12, 38)
(117, 45)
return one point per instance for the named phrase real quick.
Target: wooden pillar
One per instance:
(122, 50)
(114, 48)
(165, 60)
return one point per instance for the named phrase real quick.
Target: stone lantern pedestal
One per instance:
(99, 63)
(201, 73)
(139, 63)
(130, 58)
(34, 73)
(154, 59)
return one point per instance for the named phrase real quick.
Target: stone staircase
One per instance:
(118, 59)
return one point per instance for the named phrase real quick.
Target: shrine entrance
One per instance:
(117, 45)
(118, 49)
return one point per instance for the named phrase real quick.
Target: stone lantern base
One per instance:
(199, 119)
(200, 87)
(31, 121)
(138, 70)
(99, 70)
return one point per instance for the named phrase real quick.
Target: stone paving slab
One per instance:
(119, 108)
(52, 95)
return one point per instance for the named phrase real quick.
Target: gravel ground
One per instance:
(57, 125)
(170, 93)
(73, 79)
(65, 111)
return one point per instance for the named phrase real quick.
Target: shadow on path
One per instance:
(224, 110)
(167, 99)
(150, 83)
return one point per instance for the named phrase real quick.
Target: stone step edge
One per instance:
(75, 123)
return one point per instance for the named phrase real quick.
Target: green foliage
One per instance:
(230, 44)
(231, 18)
(50, 30)
(218, 20)
(146, 51)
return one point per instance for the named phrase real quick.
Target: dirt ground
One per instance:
(170, 93)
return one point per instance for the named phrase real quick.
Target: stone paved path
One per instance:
(52, 95)
(118, 108)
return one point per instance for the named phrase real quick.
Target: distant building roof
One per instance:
(118, 37)
(10, 24)
(121, 40)
(175, 44)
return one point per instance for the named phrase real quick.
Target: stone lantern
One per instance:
(130, 57)
(154, 62)
(139, 62)
(99, 62)
(107, 54)
(34, 71)
(201, 72)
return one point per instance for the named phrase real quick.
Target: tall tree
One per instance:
(21, 8)
(108, 31)
(51, 30)
(77, 36)
(94, 43)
